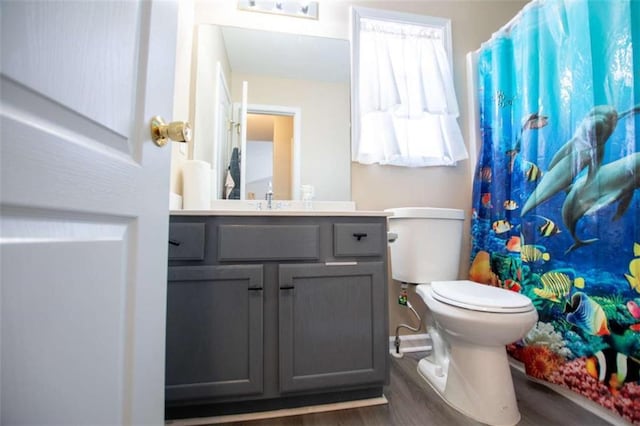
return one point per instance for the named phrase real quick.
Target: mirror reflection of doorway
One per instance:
(269, 155)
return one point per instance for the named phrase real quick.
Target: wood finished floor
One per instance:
(413, 402)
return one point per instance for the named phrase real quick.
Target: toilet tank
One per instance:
(428, 245)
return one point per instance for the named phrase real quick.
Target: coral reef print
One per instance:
(556, 201)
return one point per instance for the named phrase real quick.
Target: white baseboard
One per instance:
(299, 411)
(422, 336)
(418, 343)
(426, 348)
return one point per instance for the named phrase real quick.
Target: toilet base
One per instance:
(476, 382)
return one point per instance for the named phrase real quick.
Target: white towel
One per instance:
(229, 184)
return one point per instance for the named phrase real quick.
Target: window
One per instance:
(404, 105)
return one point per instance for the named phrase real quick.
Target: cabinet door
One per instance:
(333, 326)
(214, 332)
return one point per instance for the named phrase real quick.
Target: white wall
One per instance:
(182, 88)
(333, 19)
(209, 50)
(259, 158)
(195, 88)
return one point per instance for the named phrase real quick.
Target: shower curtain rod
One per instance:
(507, 27)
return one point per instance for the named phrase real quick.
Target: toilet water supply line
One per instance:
(403, 300)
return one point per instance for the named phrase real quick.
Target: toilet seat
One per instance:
(480, 297)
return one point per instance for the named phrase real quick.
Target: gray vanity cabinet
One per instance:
(215, 331)
(331, 325)
(268, 312)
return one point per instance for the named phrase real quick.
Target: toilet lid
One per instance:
(479, 297)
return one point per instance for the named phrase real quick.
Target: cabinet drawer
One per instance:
(358, 239)
(268, 242)
(186, 241)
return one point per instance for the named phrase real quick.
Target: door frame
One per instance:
(223, 126)
(296, 113)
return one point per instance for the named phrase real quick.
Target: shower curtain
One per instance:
(556, 206)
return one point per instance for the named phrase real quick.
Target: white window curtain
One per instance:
(407, 104)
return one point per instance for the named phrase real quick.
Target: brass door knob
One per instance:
(177, 131)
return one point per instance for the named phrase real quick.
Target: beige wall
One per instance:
(380, 187)
(325, 129)
(282, 135)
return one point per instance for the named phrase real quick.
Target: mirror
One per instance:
(305, 77)
(268, 153)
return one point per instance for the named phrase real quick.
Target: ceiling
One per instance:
(287, 55)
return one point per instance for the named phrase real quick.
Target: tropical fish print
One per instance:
(633, 277)
(485, 174)
(587, 314)
(510, 284)
(480, 270)
(557, 286)
(548, 228)
(486, 200)
(533, 172)
(513, 244)
(613, 368)
(510, 205)
(530, 122)
(634, 274)
(533, 253)
(534, 121)
(634, 309)
(571, 164)
(501, 226)
(512, 158)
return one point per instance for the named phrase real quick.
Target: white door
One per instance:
(241, 117)
(223, 128)
(84, 210)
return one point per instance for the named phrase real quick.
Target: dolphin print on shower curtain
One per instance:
(556, 194)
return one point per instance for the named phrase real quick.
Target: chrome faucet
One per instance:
(269, 196)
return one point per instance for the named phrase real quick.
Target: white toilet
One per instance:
(469, 323)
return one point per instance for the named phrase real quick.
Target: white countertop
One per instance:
(352, 213)
(279, 208)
